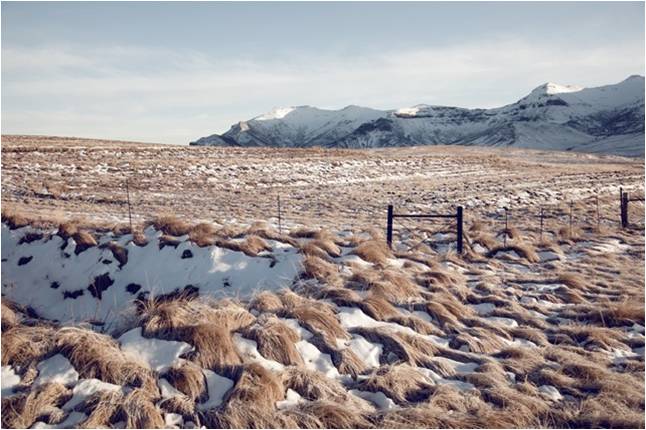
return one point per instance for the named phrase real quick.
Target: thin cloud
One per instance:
(182, 95)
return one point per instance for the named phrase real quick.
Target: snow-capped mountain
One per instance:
(607, 119)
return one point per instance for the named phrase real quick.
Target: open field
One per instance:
(332, 188)
(213, 317)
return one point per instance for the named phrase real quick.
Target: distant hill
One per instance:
(607, 119)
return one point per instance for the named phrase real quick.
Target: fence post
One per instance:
(459, 228)
(571, 205)
(598, 215)
(504, 236)
(280, 224)
(129, 211)
(621, 206)
(541, 224)
(625, 210)
(389, 227)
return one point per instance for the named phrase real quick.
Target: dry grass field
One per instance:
(208, 314)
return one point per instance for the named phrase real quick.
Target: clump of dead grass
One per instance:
(41, 404)
(188, 378)
(95, 355)
(202, 234)
(523, 250)
(214, 347)
(402, 383)
(374, 251)
(321, 270)
(13, 217)
(251, 245)
(266, 301)
(141, 412)
(24, 345)
(171, 225)
(275, 340)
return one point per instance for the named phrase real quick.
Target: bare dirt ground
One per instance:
(328, 328)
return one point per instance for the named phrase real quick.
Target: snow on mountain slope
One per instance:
(606, 119)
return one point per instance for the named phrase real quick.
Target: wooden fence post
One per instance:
(625, 211)
(621, 207)
(459, 228)
(598, 214)
(504, 236)
(389, 227)
(280, 224)
(571, 206)
(129, 211)
(541, 224)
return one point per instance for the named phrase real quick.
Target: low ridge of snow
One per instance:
(157, 354)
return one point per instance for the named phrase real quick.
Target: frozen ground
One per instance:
(333, 188)
(530, 327)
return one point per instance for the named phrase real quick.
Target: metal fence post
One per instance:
(389, 227)
(460, 235)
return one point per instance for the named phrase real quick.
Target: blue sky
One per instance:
(173, 72)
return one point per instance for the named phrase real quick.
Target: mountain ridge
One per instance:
(551, 116)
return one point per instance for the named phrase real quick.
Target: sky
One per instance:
(174, 72)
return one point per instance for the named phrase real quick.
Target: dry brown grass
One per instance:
(251, 245)
(166, 317)
(447, 310)
(408, 348)
(25, 345)
(327, 245)
(9, 316)
(41, 404)
(275, 340)
(119, 252)
(188, 378)
(324, 272)
(572, 280)
(183, 406)
(523, 250)
(84, 240)
(335, 415)
(171, 225)
(266, 301)
(202, 234)
(256, 385)
(312, 385)
(374, 251)
(103, 408)
(318, 320)
(95, 355)
(141, 412)
(402, 383)
(214, 347)
(13, 217)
